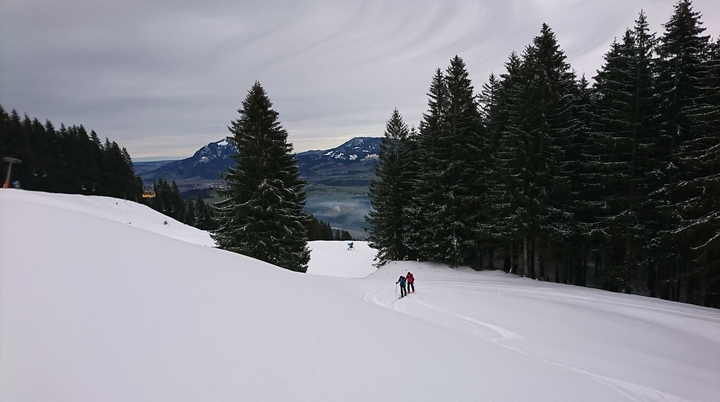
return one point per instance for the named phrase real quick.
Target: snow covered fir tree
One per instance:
(263, 214)
(613, 185)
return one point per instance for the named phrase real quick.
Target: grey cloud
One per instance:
(164, 77)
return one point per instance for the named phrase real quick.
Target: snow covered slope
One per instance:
(100, 300)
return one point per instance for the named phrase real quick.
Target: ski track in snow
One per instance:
(615, 299)
(381, 298)
(634, 392)
(502, 333)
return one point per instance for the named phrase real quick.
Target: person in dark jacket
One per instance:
(410, 282)
(403, 290)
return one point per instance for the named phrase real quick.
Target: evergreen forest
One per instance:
(65, 160)
(612, 184)
(72, 161)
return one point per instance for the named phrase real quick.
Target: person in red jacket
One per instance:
(410, 282)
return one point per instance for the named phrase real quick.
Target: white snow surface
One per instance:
(100, 300)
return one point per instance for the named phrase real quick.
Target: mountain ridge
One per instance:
(351, 163)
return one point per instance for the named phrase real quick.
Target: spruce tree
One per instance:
(313, 228)
(191, 215)
(120, 173)
(701, 218)
(532, 157)
(412, 207)
(449, 166)
(492, 112)
(204, 214)
(623, 132)
(466, 194)
(553, 88)
(389, 194)
(494, 115)
(263, 214)
(682, 74)
(509, 196)
(585, 189)
(424, 213)
(326, 232)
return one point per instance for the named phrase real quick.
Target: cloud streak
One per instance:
(163, 78)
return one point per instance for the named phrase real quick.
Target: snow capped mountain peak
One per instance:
(219, 149)
(356, 149)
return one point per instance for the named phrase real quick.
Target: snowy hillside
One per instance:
(100, 300)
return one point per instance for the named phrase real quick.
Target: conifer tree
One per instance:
(509, 195)
(492, 113)
(466, 194)
(263, 215)
(425, 208)
(531, 155)
(204, 215)
(584, 190)
(313, 228)
(326, 232)
(683, 52)
(412, 209)
(389, 194)
(494, 116)
(191, 214)
(701, 217)
(449, 162)
(624, 131)
(553, 88)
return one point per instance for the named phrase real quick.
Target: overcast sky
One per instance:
(165, 77)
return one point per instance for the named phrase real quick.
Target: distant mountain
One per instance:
(358, 149)
(201, 170)
(337, 179)
(350, 164)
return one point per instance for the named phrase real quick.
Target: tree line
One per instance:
(614, 185)
(169, 201)
(65, 159)
(72, 161)
(320, 230)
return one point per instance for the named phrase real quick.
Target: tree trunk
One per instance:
(526, 259)
(509, 258)
(536, 258)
